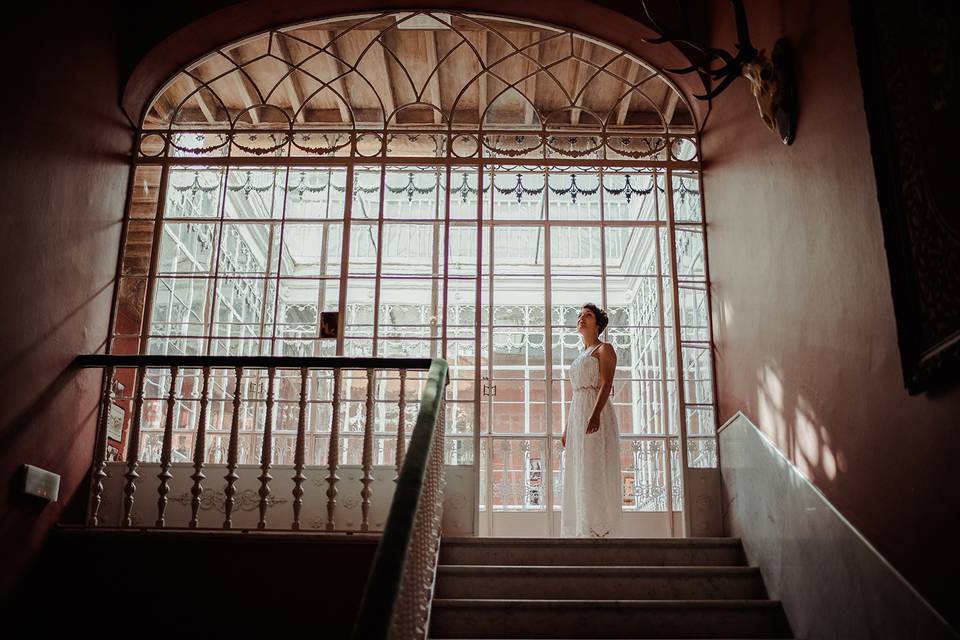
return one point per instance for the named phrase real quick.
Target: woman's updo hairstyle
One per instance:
(600, 315)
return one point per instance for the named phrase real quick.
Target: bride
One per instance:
(592, 483)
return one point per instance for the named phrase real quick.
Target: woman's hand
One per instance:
(563, 440)
(593, 425)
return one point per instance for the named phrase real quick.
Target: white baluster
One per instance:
(266, 452)
(230, 490)
(298, 477)
(133, 449)
(367, 455)
(333, 456)
(199, 452)
(164, 476)
(100, 452)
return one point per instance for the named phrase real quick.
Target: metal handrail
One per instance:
(251, 362)
(390, 564)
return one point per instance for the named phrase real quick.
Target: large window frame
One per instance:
(454, 151)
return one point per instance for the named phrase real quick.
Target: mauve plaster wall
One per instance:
(63, 181)
(802, 311)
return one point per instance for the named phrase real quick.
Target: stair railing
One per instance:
(396, 601)
(293, 374)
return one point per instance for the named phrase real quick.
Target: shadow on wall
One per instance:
(791, 422)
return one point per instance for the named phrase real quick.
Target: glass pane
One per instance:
(462, 256)
(316, 193)
(690, 258)
(686, 197)
(412, 249)
(311, 250)
(633, 301)
(244, 308)
(518, 194)
(702, 452)
(194, 192)
(463, 194)
(574, 195)
(366, 193)
(517, 479)
(518, 405)
(146, 192)
(645, 474)
(701, 421)
(180, 306)
(697, 374)
(359, 311)
(255, 193)
(694, 323)
(516, 251)
(410, 303)
(630, 251)
(363, 247)
(187, 248)
(575, 250)
(298, 319)
(629, 195)
(414, 193)
(249, 249)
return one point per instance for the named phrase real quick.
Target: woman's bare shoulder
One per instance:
(604, 348)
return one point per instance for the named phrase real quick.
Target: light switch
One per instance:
(41, 483)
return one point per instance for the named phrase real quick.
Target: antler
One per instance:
(732, 66)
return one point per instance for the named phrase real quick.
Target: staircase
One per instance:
(612, 588)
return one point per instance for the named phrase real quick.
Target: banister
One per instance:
(251, 362)
(390, 561)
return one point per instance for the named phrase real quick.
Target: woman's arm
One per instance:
(608, 365)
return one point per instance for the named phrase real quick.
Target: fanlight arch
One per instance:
(454, 71)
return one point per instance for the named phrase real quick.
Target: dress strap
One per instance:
(594, 348)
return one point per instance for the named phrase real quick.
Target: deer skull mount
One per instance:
(771, 77)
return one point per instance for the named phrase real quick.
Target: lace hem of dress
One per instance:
(595, 534)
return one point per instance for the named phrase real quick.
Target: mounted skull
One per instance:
(771, 78)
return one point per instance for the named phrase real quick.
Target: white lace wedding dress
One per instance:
(592, 484)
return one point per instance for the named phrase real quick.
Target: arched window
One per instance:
(456, 186)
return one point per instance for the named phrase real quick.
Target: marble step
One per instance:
(592, 552)
(599, 583)
(504, 618)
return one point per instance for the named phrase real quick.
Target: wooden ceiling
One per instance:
(420, 70)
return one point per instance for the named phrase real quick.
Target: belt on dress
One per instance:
(588, 386)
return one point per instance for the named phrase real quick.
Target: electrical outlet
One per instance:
(41, 483)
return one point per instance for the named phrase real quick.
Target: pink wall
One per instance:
(803, 314)
(802, 307)
(63, 176)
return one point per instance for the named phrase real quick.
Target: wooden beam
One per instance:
(290, 82)
(669, 105)
(624, 106)
(433, 86)
(208, 113)
(238, 79)
(336, 71)
(530, 83)
(482, 81)
(389, 100)
(581, 77)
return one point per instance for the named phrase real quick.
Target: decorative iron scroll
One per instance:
(464, 190)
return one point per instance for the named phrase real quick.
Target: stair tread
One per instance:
(536, 602)
(591, 569)
(601, 542)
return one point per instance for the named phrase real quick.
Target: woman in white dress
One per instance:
(592, 484)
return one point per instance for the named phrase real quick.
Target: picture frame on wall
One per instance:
(903, 58)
